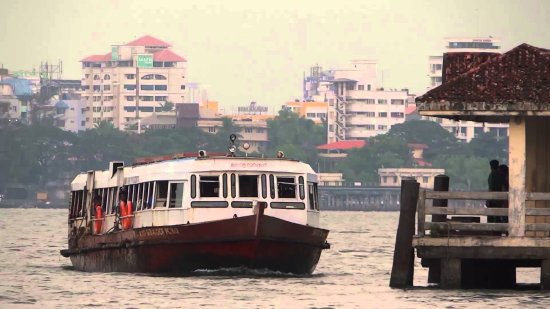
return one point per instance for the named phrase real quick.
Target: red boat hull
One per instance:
(273, 244)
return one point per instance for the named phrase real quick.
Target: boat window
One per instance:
(146, 197)
(176, 195)
(114, 199)
(224, 185)
(104, 198)
(248, 185)
(162, 192)
(241, 204)
(272, 186)
(151, 200)
(233, 186)
(209, 204)
(301, 188)
(286, 187)
(139, 192)
(287, 205)
(78, 201)
(81, 203)
(209, 186)
(193, 186)
(264, 186)
(312, 196)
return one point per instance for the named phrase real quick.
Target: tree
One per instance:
(386, 150)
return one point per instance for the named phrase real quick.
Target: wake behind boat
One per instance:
(203, 212)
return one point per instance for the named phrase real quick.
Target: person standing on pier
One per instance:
(495, 185)
(503, 172)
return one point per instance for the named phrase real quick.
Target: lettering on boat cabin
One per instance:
(248, 164)
(131, 180)
(162, 231)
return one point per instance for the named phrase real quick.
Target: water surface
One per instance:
(354, 273)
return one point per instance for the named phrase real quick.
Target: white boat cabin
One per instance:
(194, 190)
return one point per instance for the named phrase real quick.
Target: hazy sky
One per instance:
(258, 50)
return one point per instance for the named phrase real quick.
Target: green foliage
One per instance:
(386, 150)
(296, 136)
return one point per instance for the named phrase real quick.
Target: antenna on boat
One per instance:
(232, 147)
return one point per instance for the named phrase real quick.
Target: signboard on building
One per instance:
(145, 61)
(115, 55)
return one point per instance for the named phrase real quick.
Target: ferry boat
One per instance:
(186, 213)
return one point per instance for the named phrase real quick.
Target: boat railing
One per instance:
(467, 220)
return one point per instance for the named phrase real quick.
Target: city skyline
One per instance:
(247, 51)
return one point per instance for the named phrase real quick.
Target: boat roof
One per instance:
(175, 169)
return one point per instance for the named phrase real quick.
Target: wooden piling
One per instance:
(545, 275)
(451, 273)
(441, 183)
(403, 256)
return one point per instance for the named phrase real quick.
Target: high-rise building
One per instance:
(358, 108)
(464, 130)
(133, 81)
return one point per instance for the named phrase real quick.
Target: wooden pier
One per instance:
(460, 246)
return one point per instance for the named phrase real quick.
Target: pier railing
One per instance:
(441, 225)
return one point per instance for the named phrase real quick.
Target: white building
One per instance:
(361, 108)
(10, 106)
(70, 115)
(464, 130)
(110, 82)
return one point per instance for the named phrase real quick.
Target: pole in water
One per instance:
(402, 272)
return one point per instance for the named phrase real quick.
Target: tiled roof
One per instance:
(411, 108)
(343, 145)
(148, 40)
(520, 75)
(168, 55)
(97, 58)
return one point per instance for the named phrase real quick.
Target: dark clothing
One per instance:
(495, 185)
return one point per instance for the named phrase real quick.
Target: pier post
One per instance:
(403, 256)
(441, 183)
(451, 273)
(545, 275)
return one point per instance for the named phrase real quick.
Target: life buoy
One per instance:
(129, 211)
(98, 219)
(123, 213)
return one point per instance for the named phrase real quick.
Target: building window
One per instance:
(129, 87)
(106, 87)
(360, 87)
(382, 127)
(260, 130)
(148, 76)
(248, 130)
(160, 98)
(383, 114)
(130, 76)
(370, 127)
(397, 115)
(97, 88)
(425, 179)
(310, 115)
(161, 87)
(107, 77)
(370, 101)
(397, 102)
(368, 87)
(211, 129)
(130, 98)
(96, 77)
(331, 128)
(322, 115)
(82, 123)
(147, 87)
(370, 114)
(146, 98)
(182, 87)
(382, 101)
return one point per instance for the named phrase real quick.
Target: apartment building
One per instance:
(391, 177)
(315, 111)
(133, 81)
(70, 115)
(464, 130)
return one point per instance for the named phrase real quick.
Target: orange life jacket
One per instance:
(123, 213)
(98, 219)
(127, 224)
